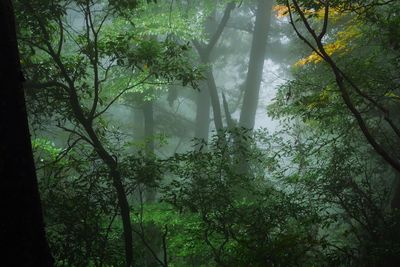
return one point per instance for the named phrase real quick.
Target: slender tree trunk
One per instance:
(106, 156)
(22, 235)
(108, 159)
(152, 232)
(203, 114)
(211, 89)
(115, 175)
(253, 79)
(256, 64)
(138, 122)
(148, 115)
(215, 103)
(204, 50)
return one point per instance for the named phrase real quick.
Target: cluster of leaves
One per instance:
(368, 61)
(242, 217)
(213, 213)
(56, 52)
(79, 206)
(216, 215)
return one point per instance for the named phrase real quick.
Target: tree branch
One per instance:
(214, 39)
(395, 163)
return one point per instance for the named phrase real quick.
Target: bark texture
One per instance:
(22, 234)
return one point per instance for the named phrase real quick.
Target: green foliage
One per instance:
(335, 167)
(56, 54)
(243, 218)
(48, 151)
(312, 194)
(79, 207)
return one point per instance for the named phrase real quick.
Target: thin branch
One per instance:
(214, 39)
(394, 162)
(61, 38)
(326, 17)
(292, 22)
(119, 95)
(105, 241)
(374, 102)
(141, 232)
(305, 20)
(62, 154)
(73, 131)
(318, 52)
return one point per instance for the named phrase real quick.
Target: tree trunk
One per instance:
(256, 64)
(214, 98)
(203, 114)
(203, 105)
(23, 241)
(211, 89)
(115, 175)
(215, 103)
(148, 115)
(148, 127)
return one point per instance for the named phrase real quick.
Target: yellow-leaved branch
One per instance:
(342, 45)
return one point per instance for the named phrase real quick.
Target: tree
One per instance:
(336, 116)
(345, 82)
(256, 64)
(23, 239)
(205, 51)
(103, 51)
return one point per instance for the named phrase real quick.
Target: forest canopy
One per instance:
(215, 133)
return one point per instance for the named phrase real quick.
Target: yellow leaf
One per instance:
(281, 11)
(393, 95)
(340, 45)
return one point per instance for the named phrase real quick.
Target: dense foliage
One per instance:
(125, 180)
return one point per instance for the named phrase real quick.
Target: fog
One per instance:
(211, 133)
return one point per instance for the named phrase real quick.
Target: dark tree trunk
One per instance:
(115, 175)
(22, 238)
(256, 64)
